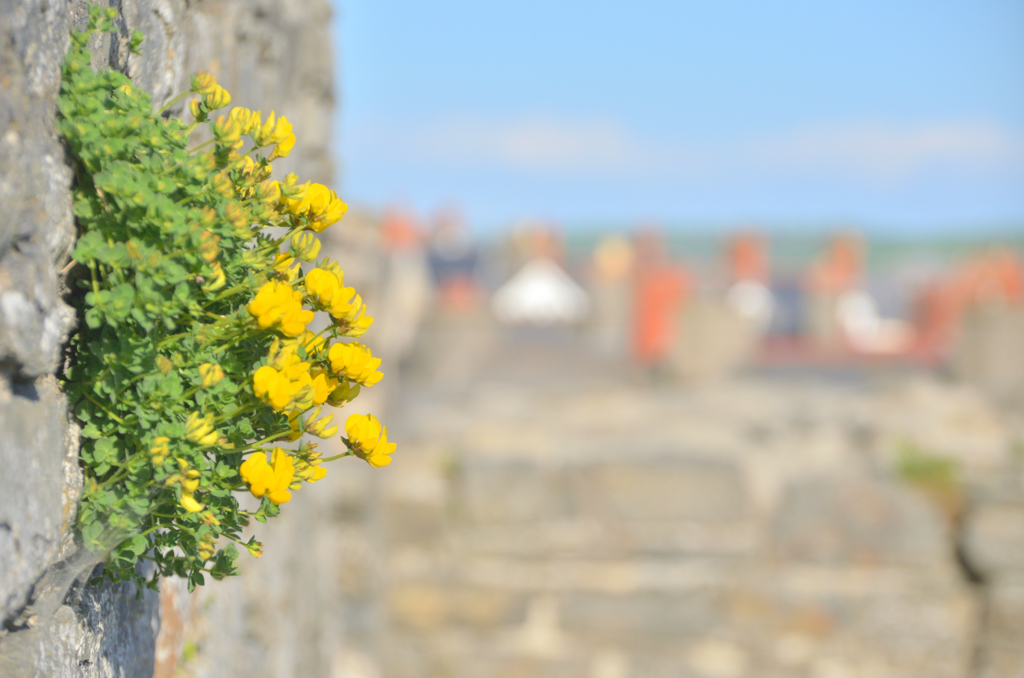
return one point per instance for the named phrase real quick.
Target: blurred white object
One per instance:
(540, 293)
(752, 301)
(866, 330)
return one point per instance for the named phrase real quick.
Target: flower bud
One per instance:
(163, 364)
(200, 429)
(305, 246)
(254, 548)
(223, 185)
(160, 450)
(208, 246)
(269, 191)
(189, 503)
(204, 83)
(292, 189)
(226, 131)
(236, 215)
(219, 98)
(286, 266)
(242, 117)
(211, 374)
(195, 107)
(263, 136)
(217, 280)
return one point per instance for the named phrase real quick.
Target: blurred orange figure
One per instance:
(748, 258)
(658, 293)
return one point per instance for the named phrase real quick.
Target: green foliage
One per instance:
(917, 467)
(171, 248)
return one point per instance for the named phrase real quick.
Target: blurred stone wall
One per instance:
(556, 516)
(270, 54)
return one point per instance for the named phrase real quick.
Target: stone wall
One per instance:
(270, 54)
(555, 515)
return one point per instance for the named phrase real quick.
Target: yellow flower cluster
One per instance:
(200, 429)
(308, 470)
(369, 439)
(314, 201)
(277, 304)
(271, 479)
(211, 374)
(290, 382)
(354, 361)
(189, 480)
(326, 290)
(207, 546)
(317, 427)
(160, 451)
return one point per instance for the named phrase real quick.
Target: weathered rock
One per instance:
(269, 55)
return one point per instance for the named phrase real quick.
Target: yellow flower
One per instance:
(254, 548)
(324, 208)
(286, 381)
(207, 546)
(218, 98)
(308, 340)
(305, 246)
(322, 287)
(209, 246)
(308, 470)
(217, 280)
(358, 327)
(286, 266)
(189, 479)
(291, 189)
(355, 362)
(283, 139)
(277, 303)
(268, 191)
(319, 427)
(225, 130)
(270, 479)
(204, 83)
(240, 116)
(236, 215)
(189, 503)
(369, 440)
(323, 386)
(282, 131)
(222, 185)
(325, 288)
(275, 388)
(283, 148)
(160, 450)
(200, 429)
(211, 374)
(196, 109)
(261, 135)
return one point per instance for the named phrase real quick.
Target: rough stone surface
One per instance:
(269, 55)
(551, 513)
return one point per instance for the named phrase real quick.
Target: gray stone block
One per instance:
(858, 520)
(36, 504)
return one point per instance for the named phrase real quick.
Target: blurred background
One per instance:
(702, 328)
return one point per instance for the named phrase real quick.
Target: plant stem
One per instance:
(172, 102)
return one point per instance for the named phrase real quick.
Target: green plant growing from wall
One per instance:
(193, 359)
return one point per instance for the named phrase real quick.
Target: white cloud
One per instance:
(888, 152)
(533, 144)
(877, 152)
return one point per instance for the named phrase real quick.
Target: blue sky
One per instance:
(895, 115)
